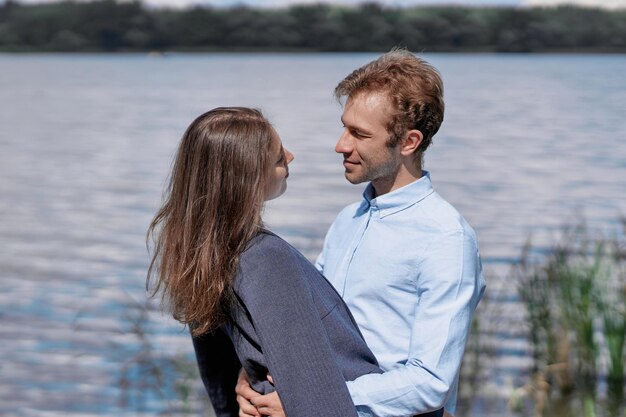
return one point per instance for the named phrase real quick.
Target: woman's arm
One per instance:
(219, 368)
(276, 291)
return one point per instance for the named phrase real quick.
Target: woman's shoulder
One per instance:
(269, 259)
(271, 270)
(267, 243)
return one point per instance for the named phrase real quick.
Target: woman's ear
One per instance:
(412, 141)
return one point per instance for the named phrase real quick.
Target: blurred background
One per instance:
(95, 96)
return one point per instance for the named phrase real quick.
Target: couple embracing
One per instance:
(378, 326)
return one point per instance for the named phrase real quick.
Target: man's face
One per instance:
(363, 143)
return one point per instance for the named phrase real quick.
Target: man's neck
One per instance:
(403, 177)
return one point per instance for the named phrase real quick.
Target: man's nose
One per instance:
(344, 144)
(288, 156)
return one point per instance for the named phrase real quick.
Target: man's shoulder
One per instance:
(443, 216)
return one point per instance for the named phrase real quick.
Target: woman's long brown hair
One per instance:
(212, 208)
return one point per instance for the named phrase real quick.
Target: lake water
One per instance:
(529, 143)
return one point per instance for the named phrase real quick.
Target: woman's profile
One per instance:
(250, 300)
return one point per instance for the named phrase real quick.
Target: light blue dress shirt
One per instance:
(408, 267)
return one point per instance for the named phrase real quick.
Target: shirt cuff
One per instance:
(364, 413)
(361, 410)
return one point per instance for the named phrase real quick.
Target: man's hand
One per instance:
(253, 404)
(245, 394)
(269, 404)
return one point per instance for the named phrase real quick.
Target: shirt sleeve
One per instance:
(450, 284)
(294, 341)
(219, 368)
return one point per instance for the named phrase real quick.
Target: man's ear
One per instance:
(412, 141)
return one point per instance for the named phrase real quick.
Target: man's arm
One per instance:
(450, 284)
(218, 365)
(268, 404)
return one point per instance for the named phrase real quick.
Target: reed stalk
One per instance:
(613, 308)
(589, 405)
(534, 291)
(575, 276)
(615, 336)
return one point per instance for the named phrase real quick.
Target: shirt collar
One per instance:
(401, 198)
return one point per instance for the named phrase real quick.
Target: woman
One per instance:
(250, 299)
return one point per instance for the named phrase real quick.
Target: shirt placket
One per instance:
(356, 242)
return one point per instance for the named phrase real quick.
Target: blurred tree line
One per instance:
(110, 26)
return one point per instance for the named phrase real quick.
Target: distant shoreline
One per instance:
(110, 26)
(172, 53)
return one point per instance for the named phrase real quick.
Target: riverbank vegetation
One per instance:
(111, 26)
(575, 300)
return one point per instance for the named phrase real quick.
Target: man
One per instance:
(403, 259)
